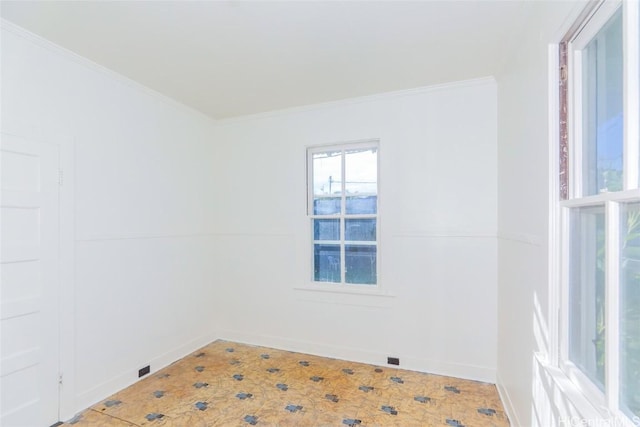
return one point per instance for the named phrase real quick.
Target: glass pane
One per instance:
(360, 229)
(361, 170)
(327, 182)
(630, 309)
(602, 109)
(362, 205)
(326, 263)
(327, 206)
(326, 229)
(586, 292)
(360, 264)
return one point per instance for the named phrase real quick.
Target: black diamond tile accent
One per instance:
(154, 416)
(243, 396)
(487, 411)
(251, 419)
(389, 410)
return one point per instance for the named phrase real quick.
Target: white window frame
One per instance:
(343, 286)
(607, 402)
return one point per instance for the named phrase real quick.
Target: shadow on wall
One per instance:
(550, 405)
(551, 408)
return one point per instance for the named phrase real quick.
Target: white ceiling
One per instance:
(230, 58)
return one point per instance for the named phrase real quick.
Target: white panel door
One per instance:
(29, 251)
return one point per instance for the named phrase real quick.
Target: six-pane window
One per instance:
(343, 209)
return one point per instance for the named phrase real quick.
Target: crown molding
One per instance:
(480, 81)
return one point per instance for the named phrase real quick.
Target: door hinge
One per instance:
(60, 379)
(60, 176)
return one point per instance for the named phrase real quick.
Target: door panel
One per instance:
(29, 287)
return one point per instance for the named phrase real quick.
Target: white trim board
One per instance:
(90, 397)
(410, 363)
(480, 81)
(44, 43)
(509, 409)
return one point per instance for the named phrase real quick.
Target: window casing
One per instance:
(342, 196)
(600, 208)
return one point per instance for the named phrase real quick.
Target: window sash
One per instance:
(575, 90)
(571, 192)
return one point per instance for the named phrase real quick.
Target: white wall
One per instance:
(437, 242)
(184, 230)
(534, 393)
(140, 195)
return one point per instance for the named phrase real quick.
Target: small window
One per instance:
(343, 213)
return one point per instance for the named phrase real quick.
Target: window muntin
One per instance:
(344, 213)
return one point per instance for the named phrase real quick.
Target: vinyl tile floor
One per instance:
(231, 384)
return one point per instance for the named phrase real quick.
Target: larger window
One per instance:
(343, 213)
(600, 207)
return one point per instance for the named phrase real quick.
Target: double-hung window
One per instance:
(600, 208)
(343, 213)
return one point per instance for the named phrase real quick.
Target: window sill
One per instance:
(587, 412)
(344, 295)
(346, 289)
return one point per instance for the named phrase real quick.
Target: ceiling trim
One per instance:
(357, 100)
(83, 61)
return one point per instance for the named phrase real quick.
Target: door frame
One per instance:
(67, 315)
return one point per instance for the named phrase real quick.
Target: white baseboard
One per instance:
(509, 409)
(90, 397)
(476, 373)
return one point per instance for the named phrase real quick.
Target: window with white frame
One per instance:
(343, 212)
(600, 207)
